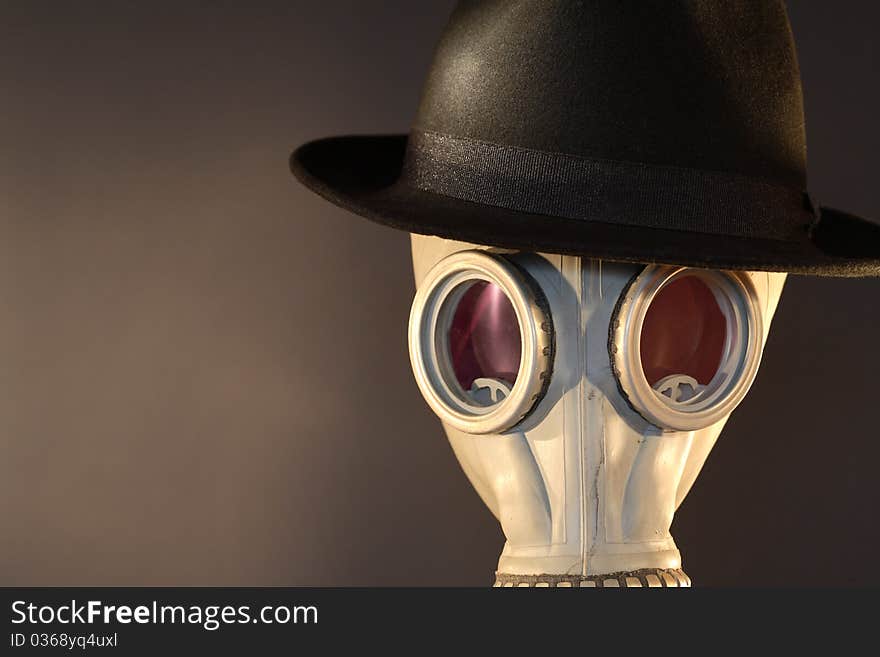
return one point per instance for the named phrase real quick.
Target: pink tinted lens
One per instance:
(683, 332)
(484, 339)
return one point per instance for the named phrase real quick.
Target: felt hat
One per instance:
(656, 132)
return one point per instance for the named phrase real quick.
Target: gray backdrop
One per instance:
(204, 368)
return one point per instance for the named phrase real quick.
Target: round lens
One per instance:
(683, 337)
(484, 338)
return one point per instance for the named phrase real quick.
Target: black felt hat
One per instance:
(668, 132)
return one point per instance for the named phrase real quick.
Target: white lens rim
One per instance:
(738, 301)
(430, 318)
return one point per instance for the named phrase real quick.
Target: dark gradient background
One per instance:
(204, 372)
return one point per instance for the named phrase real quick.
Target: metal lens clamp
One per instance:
(741, 353)
(431, 317)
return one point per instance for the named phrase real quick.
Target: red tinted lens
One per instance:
(683, 332)
(484, 339)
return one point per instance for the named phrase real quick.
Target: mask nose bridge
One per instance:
(580, 291)
(605, 285)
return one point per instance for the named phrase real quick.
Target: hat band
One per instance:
(607, 191)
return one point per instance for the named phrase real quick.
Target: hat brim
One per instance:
(362, 174)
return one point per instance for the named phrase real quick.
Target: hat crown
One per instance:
(700, 84)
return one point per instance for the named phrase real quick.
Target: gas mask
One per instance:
(582, 397)
(581, 394)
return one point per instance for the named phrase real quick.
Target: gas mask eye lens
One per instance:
(686, 344)
(480, 342)
(683, 338)
(484, 343)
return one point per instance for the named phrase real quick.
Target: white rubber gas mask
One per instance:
(582, 397)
